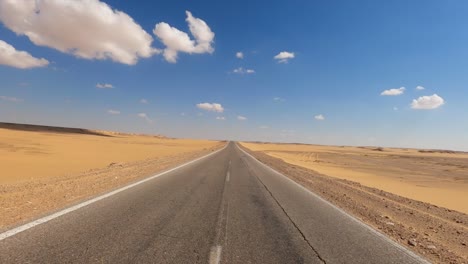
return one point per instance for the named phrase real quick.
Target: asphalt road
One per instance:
(225, 208)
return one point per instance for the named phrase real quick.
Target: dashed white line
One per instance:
(215, 255)
(227, 176)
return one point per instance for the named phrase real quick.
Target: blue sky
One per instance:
(346, 54)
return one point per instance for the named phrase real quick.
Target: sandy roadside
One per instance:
(435, 177)
(41, 153)
(44, 171)
(437, 233)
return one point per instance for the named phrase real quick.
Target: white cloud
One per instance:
(183, 114)
(420, 88)
(278, 99)
(11, 99)
(241, 118)
(428, 102)
(19, 59)
(214, 107)
(113, 112)
(264, 127)
(284, 56)
(88, 29)
(220, 118)
(240, 55)
(178, 41)
(319, 117)
(104, 86)
(143, 101)
(395, 108)
(145, 117)
(241, 70)
(393, 92)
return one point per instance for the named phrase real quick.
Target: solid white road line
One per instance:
(45, 219)
(400, 247)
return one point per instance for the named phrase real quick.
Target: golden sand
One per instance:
(30, 155)
(434, 177)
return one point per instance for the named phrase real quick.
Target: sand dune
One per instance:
(50, 129)
(436, 177)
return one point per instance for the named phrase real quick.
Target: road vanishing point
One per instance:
(225, 207)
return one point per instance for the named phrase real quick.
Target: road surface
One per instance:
(225, 208)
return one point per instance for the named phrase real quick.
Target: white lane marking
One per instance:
(215, 255)
(383, 236)
(228, 172)
(45, 219)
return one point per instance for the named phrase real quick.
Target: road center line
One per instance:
(227, 176)
(215, 255)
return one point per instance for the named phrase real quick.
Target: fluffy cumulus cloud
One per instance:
(420, 88)
(240, 55)
(284, 56)
(113, 112)
(11, 99)
(88, 29)
(19, 59)
(177, 41)
(428, 102)
(104, 86)
(241, 118)
(319, 117)
(241, 70)
(213, 107)
(393, 92)
(222, 118)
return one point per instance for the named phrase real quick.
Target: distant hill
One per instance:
(68, 130)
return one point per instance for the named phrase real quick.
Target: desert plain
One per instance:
(47, 168)
(437, 177)
(417, 197)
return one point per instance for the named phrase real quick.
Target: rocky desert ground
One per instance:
(47, 168)
(417, 197)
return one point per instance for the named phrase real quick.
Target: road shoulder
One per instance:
(436, 233)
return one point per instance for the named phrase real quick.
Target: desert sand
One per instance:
(31, 155)
(47, 168)
(435, 177)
